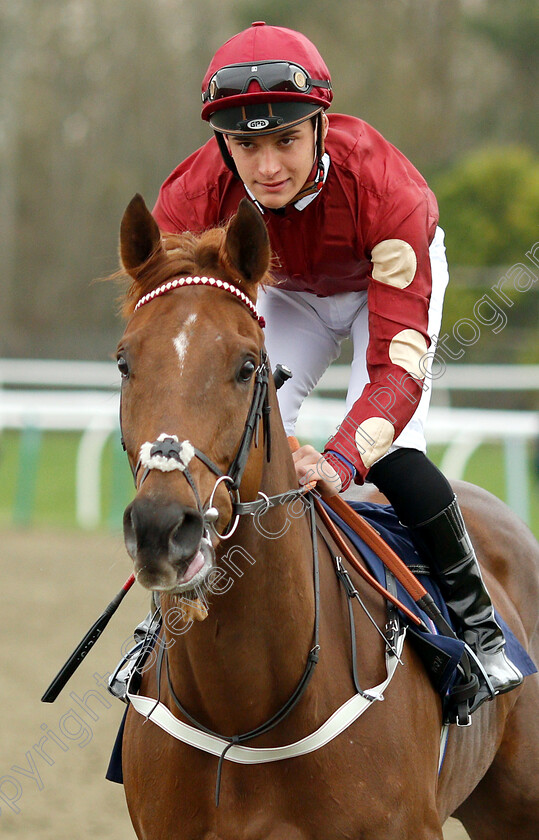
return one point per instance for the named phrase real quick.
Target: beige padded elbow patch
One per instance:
(407, 349)
(373, 438)
(394, 262)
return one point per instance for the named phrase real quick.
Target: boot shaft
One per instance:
(449, 550)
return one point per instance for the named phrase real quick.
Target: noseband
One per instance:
(168, 453)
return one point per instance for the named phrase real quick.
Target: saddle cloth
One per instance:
(440, 654)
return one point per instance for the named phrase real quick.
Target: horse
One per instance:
(207, 461)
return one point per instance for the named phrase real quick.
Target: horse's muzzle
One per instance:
(165, 541)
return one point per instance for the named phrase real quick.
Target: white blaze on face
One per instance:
(181, 342)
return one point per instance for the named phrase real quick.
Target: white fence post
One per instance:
(88, 474)
(84, 396)
(516, 477)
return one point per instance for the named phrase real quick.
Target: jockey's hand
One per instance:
(311, 466)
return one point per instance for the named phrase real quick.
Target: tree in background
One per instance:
(100, 100)
(512, 30)
(489, 208)
(489, 205)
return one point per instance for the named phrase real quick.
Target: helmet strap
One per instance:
(316, 184)
(313, 186)
(320, 147)
(227, 157)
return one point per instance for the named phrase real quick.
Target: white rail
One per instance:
(104, 376)
(455, 378)
(42, 373)
(83, 396)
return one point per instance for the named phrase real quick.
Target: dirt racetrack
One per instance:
(53, 757)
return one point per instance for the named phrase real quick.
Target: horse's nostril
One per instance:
(185, 537)
(155, 530)
(130, 537)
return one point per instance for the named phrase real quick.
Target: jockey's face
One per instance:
(275, 166)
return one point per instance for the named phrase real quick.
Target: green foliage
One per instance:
(489, 206)
(515, 344)
(512, 31)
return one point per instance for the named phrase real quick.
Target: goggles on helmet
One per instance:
(271, 76)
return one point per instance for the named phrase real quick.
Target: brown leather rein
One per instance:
(386, 554)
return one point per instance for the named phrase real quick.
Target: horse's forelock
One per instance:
(176, 257)
(182, 254)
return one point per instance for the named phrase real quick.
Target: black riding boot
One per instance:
(459, 576)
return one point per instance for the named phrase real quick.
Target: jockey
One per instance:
(358, 253)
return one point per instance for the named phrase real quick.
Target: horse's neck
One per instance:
(249, 653)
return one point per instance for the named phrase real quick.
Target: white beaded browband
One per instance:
(178, 282)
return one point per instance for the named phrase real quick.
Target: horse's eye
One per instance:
(123, 367)
(246, 371)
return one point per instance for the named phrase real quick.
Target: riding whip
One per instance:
(89, 640)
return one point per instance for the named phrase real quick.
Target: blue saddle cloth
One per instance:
(442, 669)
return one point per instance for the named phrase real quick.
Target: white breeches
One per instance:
(304, 332)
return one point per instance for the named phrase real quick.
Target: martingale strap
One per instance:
(231, 747)
(215, 745)
(229, 742)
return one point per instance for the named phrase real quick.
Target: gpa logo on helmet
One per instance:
(256, 125)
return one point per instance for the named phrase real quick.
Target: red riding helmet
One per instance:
(263, 80)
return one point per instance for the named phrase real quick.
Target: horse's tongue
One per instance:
(194, 566)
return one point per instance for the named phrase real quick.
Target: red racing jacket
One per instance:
(369, 227)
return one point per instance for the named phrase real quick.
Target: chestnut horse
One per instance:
(192, 362)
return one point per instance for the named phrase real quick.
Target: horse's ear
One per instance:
(247, 242)
(139, 234)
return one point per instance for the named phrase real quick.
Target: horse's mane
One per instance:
(176, 255)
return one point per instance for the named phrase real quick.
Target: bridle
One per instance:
(168, 452)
